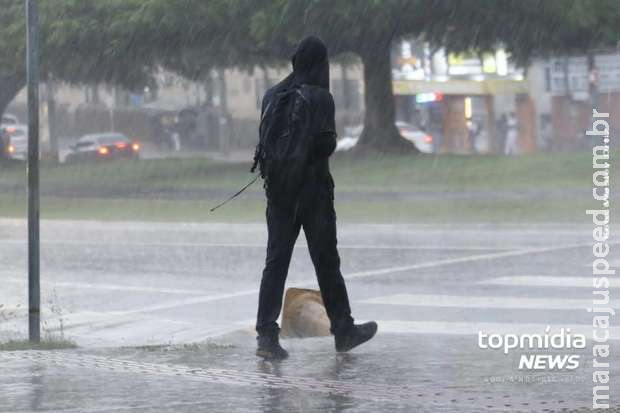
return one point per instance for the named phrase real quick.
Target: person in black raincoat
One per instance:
(316, 215)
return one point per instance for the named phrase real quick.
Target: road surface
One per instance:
(112, 286)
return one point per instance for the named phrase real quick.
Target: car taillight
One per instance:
(135, 147)
(103, 150)
(428, 139)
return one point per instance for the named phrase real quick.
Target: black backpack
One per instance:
(284, 147)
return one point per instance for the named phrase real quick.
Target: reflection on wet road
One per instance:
(430, 287)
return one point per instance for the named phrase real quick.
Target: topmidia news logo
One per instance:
(545, 344)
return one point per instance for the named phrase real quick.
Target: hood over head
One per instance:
(310, 66)
(310, 63)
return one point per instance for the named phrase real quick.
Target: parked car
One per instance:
(8, 126)
(103, 146)
(8, 120)
(422, 140)
(17, 142)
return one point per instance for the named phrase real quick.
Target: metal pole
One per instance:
(32, 68)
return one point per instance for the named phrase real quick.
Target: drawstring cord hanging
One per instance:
(236, 194)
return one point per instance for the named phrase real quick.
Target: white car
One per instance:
(422, 140)
(351, 136)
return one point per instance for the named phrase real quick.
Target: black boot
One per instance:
(269, 348)
(356, 335)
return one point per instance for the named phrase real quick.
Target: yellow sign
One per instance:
(407, 61)
(458, 59)
(460, 87)
(488, 63)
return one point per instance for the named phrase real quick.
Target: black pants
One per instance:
(316, 215)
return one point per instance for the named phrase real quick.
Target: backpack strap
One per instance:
(259, 148)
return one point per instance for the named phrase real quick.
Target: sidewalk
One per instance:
(392, 373)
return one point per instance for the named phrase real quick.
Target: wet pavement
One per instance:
(393, 373)
(114, 288)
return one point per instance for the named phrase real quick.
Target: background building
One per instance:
(461, 100)
(219, 113)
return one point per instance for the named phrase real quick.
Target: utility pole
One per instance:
(32, 68)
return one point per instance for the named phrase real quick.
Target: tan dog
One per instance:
(304, 314)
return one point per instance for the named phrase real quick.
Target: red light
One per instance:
(135, 147)
(11, 129)
(428, 139)
(438, 96)
(103, 150)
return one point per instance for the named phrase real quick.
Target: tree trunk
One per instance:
(489, 103)
(225, 117)
(526, 118)
(52, 125)
(380, 132)
(346, 94)
(9, 88)
(455, 131)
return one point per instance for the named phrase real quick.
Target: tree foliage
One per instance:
(81, 41)
(526, 28)
(123, 41)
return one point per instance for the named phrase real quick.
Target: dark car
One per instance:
(103, 146)
(17, 143)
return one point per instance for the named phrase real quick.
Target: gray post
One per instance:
(32, 68)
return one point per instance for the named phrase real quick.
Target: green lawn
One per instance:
(244, 210)
(352, 173)
(460, 172)
(45, 344)
(112, 189)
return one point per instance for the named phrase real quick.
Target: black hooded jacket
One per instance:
(311, 67)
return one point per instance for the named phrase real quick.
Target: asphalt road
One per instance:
(112, 286)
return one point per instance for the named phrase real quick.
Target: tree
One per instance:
(124, 41)
(12, 51)
(192, 37)
(195, 36)
(368, 27)
(528, 28)
(365, 28)
(81, 41)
